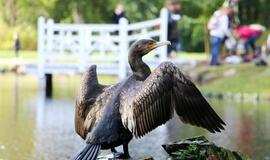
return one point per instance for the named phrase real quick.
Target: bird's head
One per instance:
(144, 46)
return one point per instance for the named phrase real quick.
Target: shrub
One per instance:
(27, 34)
(191, 34)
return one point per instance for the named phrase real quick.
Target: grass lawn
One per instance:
(27, 55)
(248, 78)
(192, 55)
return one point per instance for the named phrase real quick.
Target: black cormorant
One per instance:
(109, 116)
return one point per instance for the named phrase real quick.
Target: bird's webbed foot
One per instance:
(120, 155)
(113, 150)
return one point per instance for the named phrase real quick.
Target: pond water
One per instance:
(35, 128)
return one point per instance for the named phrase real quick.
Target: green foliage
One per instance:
(192, 34)
(93, 11)
(203, 8)
(200, 148)
(192, 152)
(143, 9)
(28, 37)
(23, 16)
(24, 12)
(254, 12)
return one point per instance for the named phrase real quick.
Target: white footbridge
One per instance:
(64, 48)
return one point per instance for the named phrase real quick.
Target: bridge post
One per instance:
(41, 33)
(123, 36)
(46, 58)
(164, 32)
(48, 85)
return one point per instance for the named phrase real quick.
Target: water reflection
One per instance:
(33, 127)
(16, 96)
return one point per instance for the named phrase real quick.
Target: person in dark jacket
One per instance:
(174, 9)
(119, 13)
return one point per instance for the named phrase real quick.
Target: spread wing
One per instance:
(86, 112)
(163, 91)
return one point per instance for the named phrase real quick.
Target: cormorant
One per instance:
(109, 116)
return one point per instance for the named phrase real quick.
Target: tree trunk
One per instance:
(76, 16)
(9, 12)
(206, 40)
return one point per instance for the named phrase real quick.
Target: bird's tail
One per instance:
(90, 152)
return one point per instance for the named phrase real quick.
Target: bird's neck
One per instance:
(138, 67)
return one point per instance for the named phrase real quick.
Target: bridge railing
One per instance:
(73, 47)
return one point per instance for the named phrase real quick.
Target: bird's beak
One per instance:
(156, 45)
(159, 44)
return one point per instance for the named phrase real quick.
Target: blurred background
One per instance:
(22, 16)
(37, 106)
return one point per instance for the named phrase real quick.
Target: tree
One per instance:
(254, 12)
(193, 26)
(9, 11)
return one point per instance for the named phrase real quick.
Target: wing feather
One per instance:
(90, 89)
(151, 105)
(156, 98)
(195, 109)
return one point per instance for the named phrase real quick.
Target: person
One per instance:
(232, 4)
(249, 34)
(118, 13)
(218, 26)
(234, 20)
(17, 44)
(174, 9)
